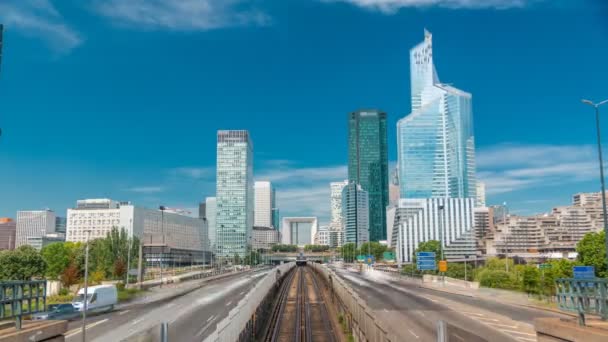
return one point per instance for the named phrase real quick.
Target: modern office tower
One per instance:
(436, 145)
(34, 224)
(183, 238)
(202, 210)
(210, 215)
(265, 238)
(336, 203)
(355, 214)
(8, 229)
(368, 164)
(299, 231)
(235, 194)
(449, 220)
(264, 204)
(276, 218)
(393, 189)
(480, 200)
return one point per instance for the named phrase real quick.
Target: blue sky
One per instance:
(122, 99)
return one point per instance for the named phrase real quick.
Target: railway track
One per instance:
(300, 314)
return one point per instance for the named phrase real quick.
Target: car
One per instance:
(99, 298)
(57, 311)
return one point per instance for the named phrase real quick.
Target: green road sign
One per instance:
(544, 266)
(361, 258)
(388, 256)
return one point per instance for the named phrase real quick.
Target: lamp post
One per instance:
(162, 229)
(86, 288)
(599, 149)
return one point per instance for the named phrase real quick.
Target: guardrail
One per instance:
(584, 296)
(20, 298)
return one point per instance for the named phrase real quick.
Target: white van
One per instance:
(99, 298)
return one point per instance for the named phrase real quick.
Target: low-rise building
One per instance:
(323, 236)
(8, 229)
(265, 237)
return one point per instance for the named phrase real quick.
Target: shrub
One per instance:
(497, 279)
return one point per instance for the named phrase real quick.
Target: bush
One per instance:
(64, 292)
(497, 279)
(59, 299)
(127, 294)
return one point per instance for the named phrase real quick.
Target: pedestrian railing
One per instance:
(21, 298)
(584, 296)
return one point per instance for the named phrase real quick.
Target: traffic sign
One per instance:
(425, 261)
(544, 266)
(584, 272)
(388, 256)
(443, 266)
(360, 258)
(369, 259)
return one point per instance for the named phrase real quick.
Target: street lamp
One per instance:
(86, 287)
(599, 148)
(162, 228)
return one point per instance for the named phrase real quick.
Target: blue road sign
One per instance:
(425, 261)
(369, 259)
(584, 272)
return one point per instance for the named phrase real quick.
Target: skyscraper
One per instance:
(368, 164)
(34, 224)
(355, 214)
(336, 203)
(210, 215)
(264, 203)
(435, 141)
(235, 195)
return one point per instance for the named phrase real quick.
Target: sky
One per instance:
(123, 99)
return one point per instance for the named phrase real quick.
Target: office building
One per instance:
(368, 165)
(355, 214)
(299, 231)
(336, 227)
(393, 189)
(202, 210)
(436, 146)
(234, 193)
(210, 215)
(8, 229)
(38, 242)
(448, 220)
(276, 218)
(264, 204)
(265, 237)
(480, 200)
(322, 237)
(34, 224)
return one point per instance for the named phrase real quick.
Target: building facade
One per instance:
(234, 193)
(264, 204)
(355, 214)
(210, 215)
(323, 236)
(480, 200)
(8, 229)
(264, 238)
(299, 231)
(448, 220)
(368, 164)
(436, 145)
(34, 224)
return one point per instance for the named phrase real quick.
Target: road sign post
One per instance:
(425, 261)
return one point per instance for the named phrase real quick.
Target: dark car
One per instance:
(57, 311)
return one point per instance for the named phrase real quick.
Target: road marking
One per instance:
(137, 321)
(472, 313)
(242, 292)
(230, 302)
(458, 337)
(204, 328)
(78, 330)
(210, 318)
(526, 339)
(502, 325)
(431, 299)
(517, 332)
(385, 310)
(411, 332)
(123, 312)
(488, 319)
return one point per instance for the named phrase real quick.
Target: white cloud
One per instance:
(146, 189)
(193, 172)
(392, 6)
(307, 174)
(182, 15)
(39, 18)
(510, 167)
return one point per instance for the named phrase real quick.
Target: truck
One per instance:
(99, 298)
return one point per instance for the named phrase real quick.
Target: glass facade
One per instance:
(355, 214)
(368, 164)
(301, 233)
(235, 194)
(436, 142)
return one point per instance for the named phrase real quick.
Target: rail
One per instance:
(584, 296)
(21, 298)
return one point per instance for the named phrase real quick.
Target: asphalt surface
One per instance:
(412, 312)
(191, 317)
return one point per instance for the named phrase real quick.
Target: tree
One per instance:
(237, 259)
(70, 275)
(456, 270)
(530, 279)
(110, 254)
(316, 248)
(349, 252)
(58, 256)
(430, 246)
(591, 251)
(497, 279)
(375, 248)
(285, 248)
(23, 263)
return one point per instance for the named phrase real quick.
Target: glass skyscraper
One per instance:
(355, 214)
(368, 164)
(436, 143)
(235, 194)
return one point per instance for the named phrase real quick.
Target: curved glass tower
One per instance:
(436, 143)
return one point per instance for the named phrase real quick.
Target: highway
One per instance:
(191, 317)
(412, 312)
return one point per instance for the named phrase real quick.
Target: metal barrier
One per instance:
(362, 319)
(584, 296)
(20, 298)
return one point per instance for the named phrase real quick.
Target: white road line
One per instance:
(411, 332)
(502, 325)
(517, 332)
(431, 299)
(137, 321)
(76, 331)
(210, 318)
(230, 302)
(526, 339)
(458, 337)
(242, 292)
(472, 313)
(488, 319)
(123, 312)
(203, 329)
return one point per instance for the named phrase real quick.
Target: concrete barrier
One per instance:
(562, 330)
(35, 331)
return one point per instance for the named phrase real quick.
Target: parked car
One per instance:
(57, 311)
(99, 298)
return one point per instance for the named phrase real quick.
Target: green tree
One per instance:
(591, 251)
(349, 252)
(430, 246)
(58, 256)
(23, 263)
(530, 279)
(375, 248)
(110, 254)
(456, 270)
(497, 279)
(237, 259)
